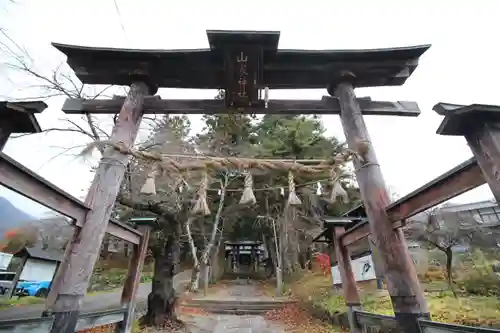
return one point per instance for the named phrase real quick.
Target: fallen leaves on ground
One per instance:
(298, 320)
(100, 329)
(170, 325)
(192, 311)
(167, 325)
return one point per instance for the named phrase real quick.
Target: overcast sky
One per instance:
(460, 67)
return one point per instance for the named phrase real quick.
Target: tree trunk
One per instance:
(161, 300)
(195, 275)
(294, 250)
(287, 248)
(218, 259)
(105, 248)
(449, 263)
(208, 250)
(309, 259)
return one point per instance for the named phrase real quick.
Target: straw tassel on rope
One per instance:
(201, 205)
(248, 197)
(149, 187)
(293, 199)
(337, 189)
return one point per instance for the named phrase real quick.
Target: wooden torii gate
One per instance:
(19, 117)
(245, 65)
(478, 123)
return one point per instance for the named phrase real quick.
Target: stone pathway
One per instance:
(231, 324)
(242, 291)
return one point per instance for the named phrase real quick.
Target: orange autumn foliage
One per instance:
(12, 233)
(323, 261)
(14, 240)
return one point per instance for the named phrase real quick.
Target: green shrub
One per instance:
(481, 284)
(108, 279)
(481, 280)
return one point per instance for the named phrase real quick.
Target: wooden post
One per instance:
(331, 254)
(238, 258)
(133, 280)
(376, 259)
(351, 294)
(19, 271)
(58, 278)
(484, 142)
(406, 293)
(480, 125)
(5, 132)
(84, 248)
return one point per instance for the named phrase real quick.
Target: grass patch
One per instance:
(464, 310)
(19, 301)
(113, 278)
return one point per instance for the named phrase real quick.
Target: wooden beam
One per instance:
(133, 279)
(31, 325)
(22, 180)
(87, 321)
(120, 230)
(361, 231)
(351, 294)
(443, 108)
(355, 234)
(462, 178)
(124, 231)
(327, 105)
(19, 271)
(383, 323)
(84, 249)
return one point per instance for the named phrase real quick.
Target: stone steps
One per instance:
(238, 307)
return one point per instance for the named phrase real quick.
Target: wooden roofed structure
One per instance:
(19, 117)
(211, 68)
(357, 250)
(243, 64)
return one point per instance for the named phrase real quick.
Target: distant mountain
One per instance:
(12, 217)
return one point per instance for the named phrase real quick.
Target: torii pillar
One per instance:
(83, 250)
(404, 287)
(480, 125)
